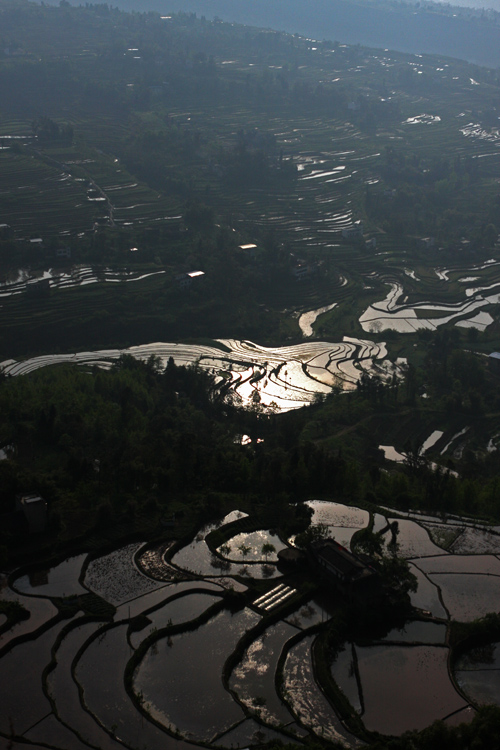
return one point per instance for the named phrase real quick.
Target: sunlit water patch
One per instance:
(474, 541)
(391, 314)
(76, 276)
(306, 699)
(476, 131)
(341, 521)
(253, 679)
(422, 120)
(307, 319)
(481, 321)
(338, 514)
(197, 557)
(431, 441)
(288, 377)
(252, 547)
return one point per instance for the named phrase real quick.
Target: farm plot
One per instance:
(407, 317)
(102, 578)
(478, 674)
(306, 699)
(288, 377)
(30, 188)
(183, 696)
(253, 679)
(61, 580)
(64, 691)
(415, 690)
(104, 693)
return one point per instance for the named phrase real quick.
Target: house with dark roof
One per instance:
(185, 280)
(34, 510)
(341, 565)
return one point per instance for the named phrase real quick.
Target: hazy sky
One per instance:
(495, 4)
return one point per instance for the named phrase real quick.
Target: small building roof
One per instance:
(194, 274)
(348, 566)
(32, 499)
(495, 355)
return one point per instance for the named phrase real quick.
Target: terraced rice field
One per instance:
(279, 379)
(477, 292)
(78, 702)
(69, 190)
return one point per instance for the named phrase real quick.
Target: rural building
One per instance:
(34, 509)
(427, 243)
(494, 362)
(63, 252)
(354, 231)
(303, 270)
(346, 569)
(248, 250)
(184, 280)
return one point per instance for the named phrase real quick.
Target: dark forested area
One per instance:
(113, 448)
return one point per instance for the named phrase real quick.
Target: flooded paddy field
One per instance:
(115, 576)
(104, 693)
(306, 699)
(251, 547)
(272, 689)
(253, 680)
(478, 674)
(63, 689)
(71, 278)
(180, 677)
(71, 203)
(415, 691)
(283, 378)
(61, 580)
